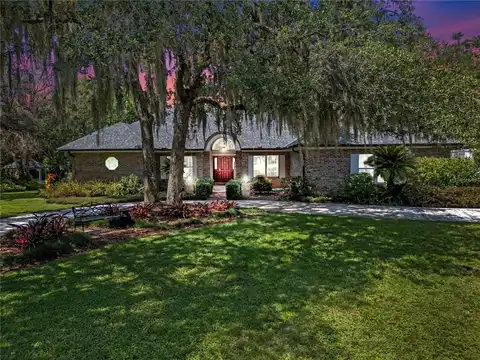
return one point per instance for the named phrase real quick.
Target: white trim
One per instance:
(267, 150)
(213, 138)
(360, 147)
(281, 166)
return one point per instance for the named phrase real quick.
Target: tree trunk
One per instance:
(149, 164)
(180, 129)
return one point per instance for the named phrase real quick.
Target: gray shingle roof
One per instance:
(123, 136)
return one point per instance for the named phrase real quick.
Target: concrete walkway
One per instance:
(371, 211)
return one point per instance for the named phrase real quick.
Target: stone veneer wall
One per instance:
(91, 165)
(326, 168)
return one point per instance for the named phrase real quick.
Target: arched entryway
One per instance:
(223, 159)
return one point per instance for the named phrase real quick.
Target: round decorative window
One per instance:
(111, 163)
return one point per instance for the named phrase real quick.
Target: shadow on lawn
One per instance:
(250, 289)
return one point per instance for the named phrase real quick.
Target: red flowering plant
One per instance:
(43, 229)
(142, 212)
(221, 205)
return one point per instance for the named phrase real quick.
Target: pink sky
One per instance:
(445, 17)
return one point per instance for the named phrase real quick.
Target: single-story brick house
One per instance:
(115, 151)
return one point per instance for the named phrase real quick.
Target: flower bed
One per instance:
(162, 211)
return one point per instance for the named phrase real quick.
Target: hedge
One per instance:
(445, 172)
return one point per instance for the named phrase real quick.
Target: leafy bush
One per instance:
(203, 188)
(261, 184)
(297, 188)
(41, 230)
(357, 189)
(127, 186)
(445, 172)
(233, 189)
(47, 251)
(5, 187)
(130, 185)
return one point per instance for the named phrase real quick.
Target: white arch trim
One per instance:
(214, 138)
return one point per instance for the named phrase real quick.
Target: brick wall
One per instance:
(206, 160)
(91, 166)
(326, 168)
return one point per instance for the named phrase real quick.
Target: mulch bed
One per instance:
(103, 236)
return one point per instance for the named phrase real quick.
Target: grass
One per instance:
(26, 202)
(278, 286)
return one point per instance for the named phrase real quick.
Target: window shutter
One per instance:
(250, 166)
(354, 163)
(281, 166)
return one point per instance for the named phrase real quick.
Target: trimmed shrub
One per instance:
(468, 197)
(203, 188)
(445, 172)
(357, 189)
(233, 189)
(262, 184)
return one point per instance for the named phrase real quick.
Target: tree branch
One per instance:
(218, 103)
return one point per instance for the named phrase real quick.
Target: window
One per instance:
(358, 166)
(463, 153)
(223, 145)
(362, 167)
(188, 167)
(266, 165)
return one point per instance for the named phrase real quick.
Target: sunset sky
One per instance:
(445, 17)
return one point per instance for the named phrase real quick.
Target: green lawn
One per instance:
(26, 202)
(279, 286)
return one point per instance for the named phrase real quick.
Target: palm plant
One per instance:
(392, 163)
(165, 167)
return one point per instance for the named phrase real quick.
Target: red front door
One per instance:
(222, 168)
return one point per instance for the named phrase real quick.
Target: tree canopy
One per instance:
(322, 68)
